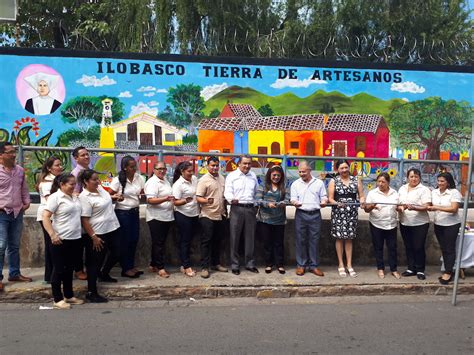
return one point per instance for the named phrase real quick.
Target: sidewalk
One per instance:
(151, 287)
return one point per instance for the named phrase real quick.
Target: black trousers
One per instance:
(212, 234)
(64, 257)
(187, 226)
(447, 236)
(104, 259)
(414, 238)
(379, 237)
(158, 232)
(48, 262)
(79, 262)
(273, 236)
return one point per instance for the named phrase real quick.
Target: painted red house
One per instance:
(239, 110)
(356, 135)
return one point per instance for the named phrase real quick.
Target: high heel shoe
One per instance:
(445, 282)
(131, 276)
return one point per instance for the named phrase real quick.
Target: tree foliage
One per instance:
(265, 110)
(432, 124)
(394, 31)
(187, 105)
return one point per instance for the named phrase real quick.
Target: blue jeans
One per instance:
(308, 231)
(129, 232)
(10, 235)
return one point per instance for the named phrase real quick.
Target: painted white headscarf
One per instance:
(42, 104)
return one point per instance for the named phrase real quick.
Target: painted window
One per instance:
(169, 137)
(121, 137)
(294, 145)
(360, 144)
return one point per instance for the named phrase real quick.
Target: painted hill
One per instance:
(288, 103)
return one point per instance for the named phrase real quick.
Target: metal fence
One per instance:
(107, 161)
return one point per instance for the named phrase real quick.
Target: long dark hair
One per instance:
(449, 178)
(59, 180)
(85, 175)
(45, 169)
(281, 183)
(122, 175)
(178, 171)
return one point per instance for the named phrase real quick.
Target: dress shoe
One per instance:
(96, 298)
(20, 278)
(408, 273)
(300, 271)
(268, 270)
(107, 278)
(236, 271)
(444, 281)
(132, 275)
(220, 268)
(81, 275)
(281, 270)
(420, 276)
(74, 300)
(317, 272)
(252, 269)
(205, 273)
(61, 305)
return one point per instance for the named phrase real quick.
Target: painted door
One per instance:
(146, 139)
(340, 149)
(275, 148)
(132, 132)
(310, 147)
(158, 135)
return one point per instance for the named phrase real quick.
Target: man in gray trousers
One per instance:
(240, 190)
(308, 195)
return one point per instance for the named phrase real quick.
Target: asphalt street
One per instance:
(323, 325)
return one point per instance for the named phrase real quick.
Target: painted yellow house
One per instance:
(143, 128)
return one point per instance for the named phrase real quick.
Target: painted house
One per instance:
(147, 130)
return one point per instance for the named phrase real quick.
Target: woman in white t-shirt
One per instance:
(159, 215)
(51, 168)
(446, 200)
(383, 223)
(101, 233)
(414, 222)
(186, 212)
(127, 188)
(64, 208)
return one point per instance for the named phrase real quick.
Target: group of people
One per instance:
(78, 216)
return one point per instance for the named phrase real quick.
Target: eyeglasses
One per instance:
(163, 169)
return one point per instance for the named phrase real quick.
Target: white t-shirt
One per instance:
(98, 206)
(445, 199)
(131, 192)
(155, 187)
(310, 194)
(66, 212)
(383, 216)
(44, 190)
(182, 189)
(418, 195)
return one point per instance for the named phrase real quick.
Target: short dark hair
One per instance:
(340, 162)
(75, 152)
(213, 158)
(85, 175)
(3, 145)
(449, 178)
(415, 171)
(247, 156)
(385, 175)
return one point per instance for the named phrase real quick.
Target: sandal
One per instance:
(342, 271)
(188, 271)
(163, 273)
(397, 275)
(381, 274)
(352, 272)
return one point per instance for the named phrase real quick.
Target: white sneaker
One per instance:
(74, 300)
(61, 305)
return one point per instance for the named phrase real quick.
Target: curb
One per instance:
(149, 293)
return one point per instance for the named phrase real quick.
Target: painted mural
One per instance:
(231, 105)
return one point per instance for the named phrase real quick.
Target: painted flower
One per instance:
(392, 172)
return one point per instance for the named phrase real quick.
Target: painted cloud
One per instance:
(125, 94)
(407, 86)
(143, 107)
(209, 91)
(87, 80)
(296, 83)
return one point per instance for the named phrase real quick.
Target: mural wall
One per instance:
(234, 105)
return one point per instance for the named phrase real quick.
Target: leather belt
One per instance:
(245, 205)
(309, 212)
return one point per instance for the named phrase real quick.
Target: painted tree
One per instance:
(187, 105)
(86, 111)
(265, 110)
(432, 124)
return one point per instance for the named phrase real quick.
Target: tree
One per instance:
(214, 113)
(265, 110)
(86, 111)
(187, 105)
(433, 124)
(327, 108)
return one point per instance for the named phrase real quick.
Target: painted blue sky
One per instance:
(144, 92)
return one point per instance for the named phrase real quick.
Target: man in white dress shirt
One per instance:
(308, 195)
(240, 190)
